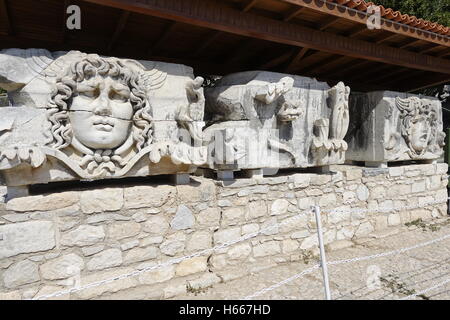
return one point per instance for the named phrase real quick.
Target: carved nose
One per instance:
(102, 107)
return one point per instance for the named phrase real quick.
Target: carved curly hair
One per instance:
(60, 130)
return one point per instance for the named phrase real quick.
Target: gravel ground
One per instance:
(383, 278)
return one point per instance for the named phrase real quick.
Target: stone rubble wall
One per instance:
(50, 243)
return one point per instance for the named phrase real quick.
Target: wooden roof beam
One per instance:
(219, 16)
(119, 28)
(291, 14)
(5, 15)
(297, 57)
(386, 38)
(444, 53)
(278, 60)
(409, 43)
(248, 4)
(424, 82)
(429, 49)
(344, 12)
(385, 76)
(203, 46)
(357, 31)
(325, 67)
(164, 35)
(328, 23)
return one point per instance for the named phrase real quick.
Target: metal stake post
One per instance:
(323, 259)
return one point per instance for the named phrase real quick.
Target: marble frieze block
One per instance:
(79, 116)
(259, 119)
(388, 126)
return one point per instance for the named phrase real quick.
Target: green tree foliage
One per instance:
(433, 10)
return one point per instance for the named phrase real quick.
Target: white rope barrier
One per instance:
(289, 220)
(384, 254)
(172, 261)
(279, 284)
(427, 290)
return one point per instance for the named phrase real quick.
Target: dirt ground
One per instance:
(391, 277)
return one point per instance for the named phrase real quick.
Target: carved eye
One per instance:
(116, 96)
(90, 93)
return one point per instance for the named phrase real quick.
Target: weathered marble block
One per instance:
(271, 120)
(388, 126)
(82, 116)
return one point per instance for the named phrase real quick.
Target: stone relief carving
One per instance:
(104, 115)
(277, 113)
(328, 144)
(409, 128)
(420, 126)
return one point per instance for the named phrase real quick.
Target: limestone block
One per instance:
(290, 246)
(84, 235)
(205, 281)
(339, 245)
(408, 126)
(353, 174)
(394, 219)
(226, 235)
(89, 251)
(364, 229)
(233, 216)
(109, 287)
(101, 200)
(266, 249)
(23, 272)
(66, 266)
(122, 230)
(256, 209)
(106, 259)
(279, 206)
(191, 266)
(43, 202)
(158, 275)
(157, 225)
(152, 126)
(26, 237)
(266, 120)
(270, 227)
(199, 240)
(327, 200)
(174, 244)
(209, 217)
(441, 168)
(184, 219)
(239, 251)
(148, 196)
(362, 193)
(141, 254)
(250, 228)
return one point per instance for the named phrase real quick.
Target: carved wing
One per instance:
(153, 78)
(404, 104)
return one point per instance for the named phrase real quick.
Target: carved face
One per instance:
(101, 113)
(420, 134)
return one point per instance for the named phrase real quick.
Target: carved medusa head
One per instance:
(419, 123)
(100, 103)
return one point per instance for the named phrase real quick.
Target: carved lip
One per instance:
(104, 124)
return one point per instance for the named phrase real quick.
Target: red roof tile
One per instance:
(397, 16)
